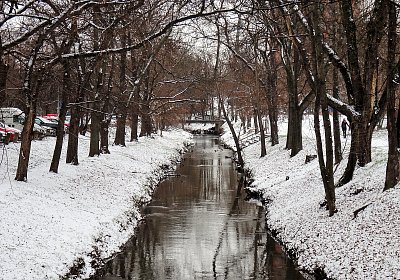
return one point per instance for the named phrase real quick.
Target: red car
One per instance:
(12, 133)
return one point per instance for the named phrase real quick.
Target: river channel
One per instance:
(199, 226)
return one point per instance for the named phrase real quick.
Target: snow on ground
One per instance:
(199, 126)
(53, 219)
(344, 247)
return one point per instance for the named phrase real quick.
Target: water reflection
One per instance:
(198, 226)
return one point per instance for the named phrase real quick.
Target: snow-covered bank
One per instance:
(55, 219)
(343, 246)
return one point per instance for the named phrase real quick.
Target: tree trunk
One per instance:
(73, 136)
(66, 89)
(27, 131)
(272, 105)
(248, 120)
(294, 137)
(26, 141)
(230, 104)
(97, 115)
(243, 122)
(94, 149)
(335, 87)
(326, 170)
(270, 87)
(364, 89)
(294, 141)
(393, 162)
(134, 126)
(273, 116)
(122, 107)
(321, 101)
(234, 135)
(120, 131)
(3, 77)
(146, 127)
(255, 118)
(104, 124)
(106, 111)
(135, 116)
(263, 150)
(336, 121)
(76, 116)
(273, 121)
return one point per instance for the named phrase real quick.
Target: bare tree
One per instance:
(393, 112)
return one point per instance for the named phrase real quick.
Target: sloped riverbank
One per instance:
(345, 246)
(82, 213)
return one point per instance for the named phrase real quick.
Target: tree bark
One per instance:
(272, 102)
(336, 121)
(94, 149)
(364, 89)
(146, 128)
(234, 135)
(27, 131)
(96, 114)
(104, 125)
(66, 89)
(122, 106)
(263, 150)
(294, 140)
(243, 124)
(120, 131)
(294, 137)
(393, 162)
(134, 119)
(3, 76)
(321, 101)
(26, 141)
(76, 114)
(106, 111)
(335, 90)
(31, 100)
(255, 118)
(73, 136)
(146, 125)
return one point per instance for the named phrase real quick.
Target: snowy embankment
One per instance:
(343, 246)
(54, 220)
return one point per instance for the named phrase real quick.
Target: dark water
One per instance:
(199, 226)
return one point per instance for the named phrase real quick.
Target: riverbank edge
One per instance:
(359, 241)
(318, 274)
(96, 260)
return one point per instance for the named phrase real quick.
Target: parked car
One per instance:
(45, 122)
(49, 126)
(54, 118)
(9, 133)
(40, 131)
(15, 118)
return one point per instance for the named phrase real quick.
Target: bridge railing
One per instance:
(204, 121)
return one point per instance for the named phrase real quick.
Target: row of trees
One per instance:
(96, 59)
(324, 55)
(126, 58)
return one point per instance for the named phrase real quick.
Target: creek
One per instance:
(200, 226)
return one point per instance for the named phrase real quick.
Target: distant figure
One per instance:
(345, 124)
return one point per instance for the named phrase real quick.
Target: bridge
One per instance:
(216, 121)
